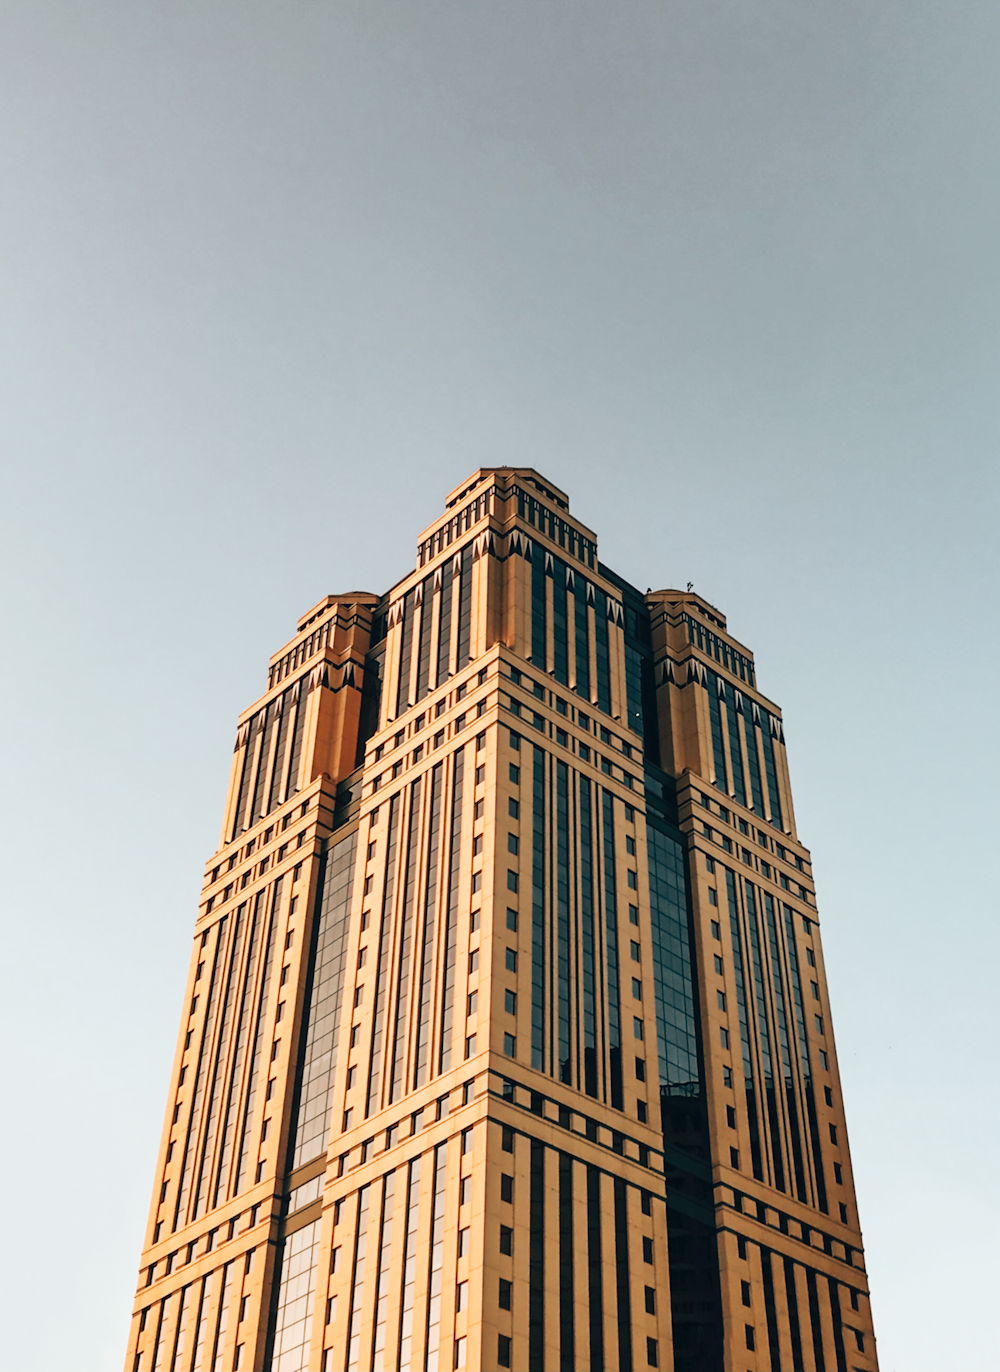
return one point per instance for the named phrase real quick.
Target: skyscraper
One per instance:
(506, 1040)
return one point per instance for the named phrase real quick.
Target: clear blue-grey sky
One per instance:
(727, 272)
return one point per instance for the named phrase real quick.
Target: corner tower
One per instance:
(506, 1040)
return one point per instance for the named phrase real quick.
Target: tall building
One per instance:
(506, 1040)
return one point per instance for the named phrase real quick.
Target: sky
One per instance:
(275, 278)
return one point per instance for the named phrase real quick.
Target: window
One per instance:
(640, 1069)
(718, 965)
(633, 914)
(715, 929)
(461, 692)
(727, 1076)
(511, 960)
(724, 1037)
(511, 880)
(859, 1339)
(824, 1060)
(474, 960)
(470, 1045)
(709, 863)
(838, 1174)
(731, 1116)
(362, 956)
(359, 995)
(630, 845)
(819, 1025)
(843, 1213)
(713, 896)
(503, 1299)
(355, 1034)
(637, 1028)
(636, 989)
(439, 738)
(477, 881)
(503, 1350)
(510, 1002)
(473, 921)
(640, 1110)
(477, 845)
(461, 1299)
(507, 1188)
(828, 1095)
(515, 774)
(348, 1116)
(745, 1292)
(749, 1331)
(584, 752)
(507, 1139)
(647, 1248)
(810, 957)
(478, 808)
(734, 1161)
(650, 1301)
(512, 843)
(506, 1240)
(473, 1003)
(651, 1350)
(511, 919)
(833, 1133)
(510, 1045)
(463, 1242)
(352, 1073)
(633, 883)
(814, 987)
(465, 1191)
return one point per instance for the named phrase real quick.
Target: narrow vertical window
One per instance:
(427, 949)
(715, 720)
(582, 640)
(322, 1025)
(465, 609)
(622, 1278)
(567, 1348)
(409, 1268)
(611, 944)
(538, 910)
(562, 883)
(424, 642)
(741, 1003)
(382, 973)
(406, 938)
(451, 913)
(588, 941)
(444, 624)
(199, 1362)
(218, 1347)
(403, 700)
(435, 1276)
(536, 1260)
(539, 628)
(357, 1282)
(382, 1275)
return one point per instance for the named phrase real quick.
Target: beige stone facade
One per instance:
(506, 1039)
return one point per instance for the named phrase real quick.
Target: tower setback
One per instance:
(506, 1041)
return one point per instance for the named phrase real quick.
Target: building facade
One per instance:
(506, 1040)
